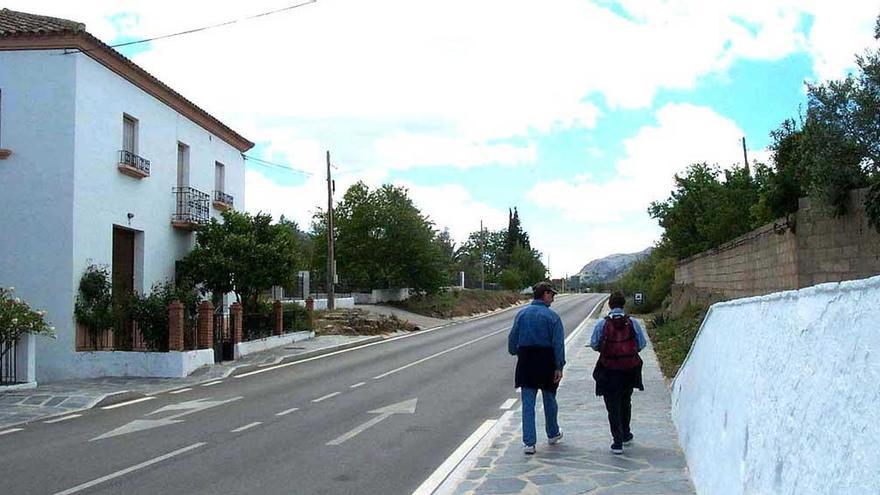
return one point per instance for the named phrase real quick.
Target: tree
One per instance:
(244, 254)
(382, 240)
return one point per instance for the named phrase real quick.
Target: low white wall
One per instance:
(93, 364)
(245, 348)
(779, 394)
(26, 357)
(377, 296)
(341, 302)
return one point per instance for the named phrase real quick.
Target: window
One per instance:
(129, 134)
(182, 165)
(219, 177)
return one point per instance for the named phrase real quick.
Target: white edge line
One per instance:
(246, 427)
(212, 383)
(356, 385)
(319, 399)
(508, 404)
(392, 339)
(441, 473)
(128, 403)
(180, 391)
(65, 418)
(11, 430)
(287, 411)
(583, 324)
(125, 471)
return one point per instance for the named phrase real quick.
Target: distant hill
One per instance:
(610, 268)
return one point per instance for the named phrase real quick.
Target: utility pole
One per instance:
(331, 263)
(482, 258)
(745, 155)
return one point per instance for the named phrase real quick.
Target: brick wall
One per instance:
(805, 249)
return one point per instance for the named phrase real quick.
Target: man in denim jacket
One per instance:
(538, 341)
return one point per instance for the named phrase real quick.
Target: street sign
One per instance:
(639, 298)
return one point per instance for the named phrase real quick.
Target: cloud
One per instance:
(684, 134)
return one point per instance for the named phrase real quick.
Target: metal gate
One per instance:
(223, 331)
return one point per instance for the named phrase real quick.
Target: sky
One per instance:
(576, 112)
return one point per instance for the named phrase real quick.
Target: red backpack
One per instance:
(619, 349)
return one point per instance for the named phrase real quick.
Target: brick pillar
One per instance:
(175, 326)
(310, 308)
(236, 317)
(279, 317)
(206, 325)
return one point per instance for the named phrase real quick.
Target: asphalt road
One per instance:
(376, 419)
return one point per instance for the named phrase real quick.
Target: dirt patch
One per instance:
(455, 302)
(358, 322)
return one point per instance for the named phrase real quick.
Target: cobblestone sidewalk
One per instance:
(583, 463)
(25, 406)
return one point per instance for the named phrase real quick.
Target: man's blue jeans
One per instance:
(529, 395)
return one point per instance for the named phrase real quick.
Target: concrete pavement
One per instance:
(582, 463)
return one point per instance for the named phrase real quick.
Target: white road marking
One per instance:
(184, 408)
(371, 344)
(11, 430)
(123, 404)
(65, 418)
(583, 324)
(440, 474)
(212, 383)
(405, 407)
(287, 411)
(117, 474)
(356, 385)
(420, 361)
(247, 427)
(180, 391)
(319, 399)
(508, 404)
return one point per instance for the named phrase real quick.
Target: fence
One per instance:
(8, 363)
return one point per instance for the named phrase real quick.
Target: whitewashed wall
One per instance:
(780, 394)
(36, 184)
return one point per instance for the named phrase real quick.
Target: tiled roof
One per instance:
(14, 23)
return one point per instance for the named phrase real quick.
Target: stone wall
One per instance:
(804, 249)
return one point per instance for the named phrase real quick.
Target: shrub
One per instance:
(17, 319)
(94, 301)
(150, 312)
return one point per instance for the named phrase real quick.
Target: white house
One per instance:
(100, 162)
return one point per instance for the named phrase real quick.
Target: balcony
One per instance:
(192, 208)
(223, 201)
(133, 165)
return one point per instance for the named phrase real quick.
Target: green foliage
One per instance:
(17, 318)
(452, 303)
(150, 311)
(382, 240)
(513, 269)
(245, 254)
(652, 276)
(296, 318)
(672, 339)
(94, 307)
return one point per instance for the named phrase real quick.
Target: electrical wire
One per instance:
(205, 28)
(260, 161)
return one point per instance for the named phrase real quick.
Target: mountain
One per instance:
(610, 268)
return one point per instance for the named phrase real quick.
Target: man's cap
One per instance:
(543, 287)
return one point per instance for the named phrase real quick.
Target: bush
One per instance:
(17, 319)
(296, 318)
(672, 337)
(94, 301)
(150, 312)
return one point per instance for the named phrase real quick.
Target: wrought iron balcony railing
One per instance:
(133, 165)
(192, 208)
(222, 200)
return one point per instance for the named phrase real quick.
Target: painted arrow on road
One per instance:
(186, 408)
(405, 407)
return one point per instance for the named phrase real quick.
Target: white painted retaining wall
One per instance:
(171, 364)
(780, 394)
(341, 302)
(245, 348)
(377, 296)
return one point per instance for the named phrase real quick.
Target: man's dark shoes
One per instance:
(627, 439)
(617, 448)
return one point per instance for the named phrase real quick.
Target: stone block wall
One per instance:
(804, 249)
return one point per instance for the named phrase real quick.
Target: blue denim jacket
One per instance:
(538, 325)
(599, 329)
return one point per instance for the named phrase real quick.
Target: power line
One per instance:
(205, 28)
(260, 161)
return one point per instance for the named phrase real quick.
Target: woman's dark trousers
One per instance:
(618, 403)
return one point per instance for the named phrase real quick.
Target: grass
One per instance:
(672, 338)
(452, 303)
